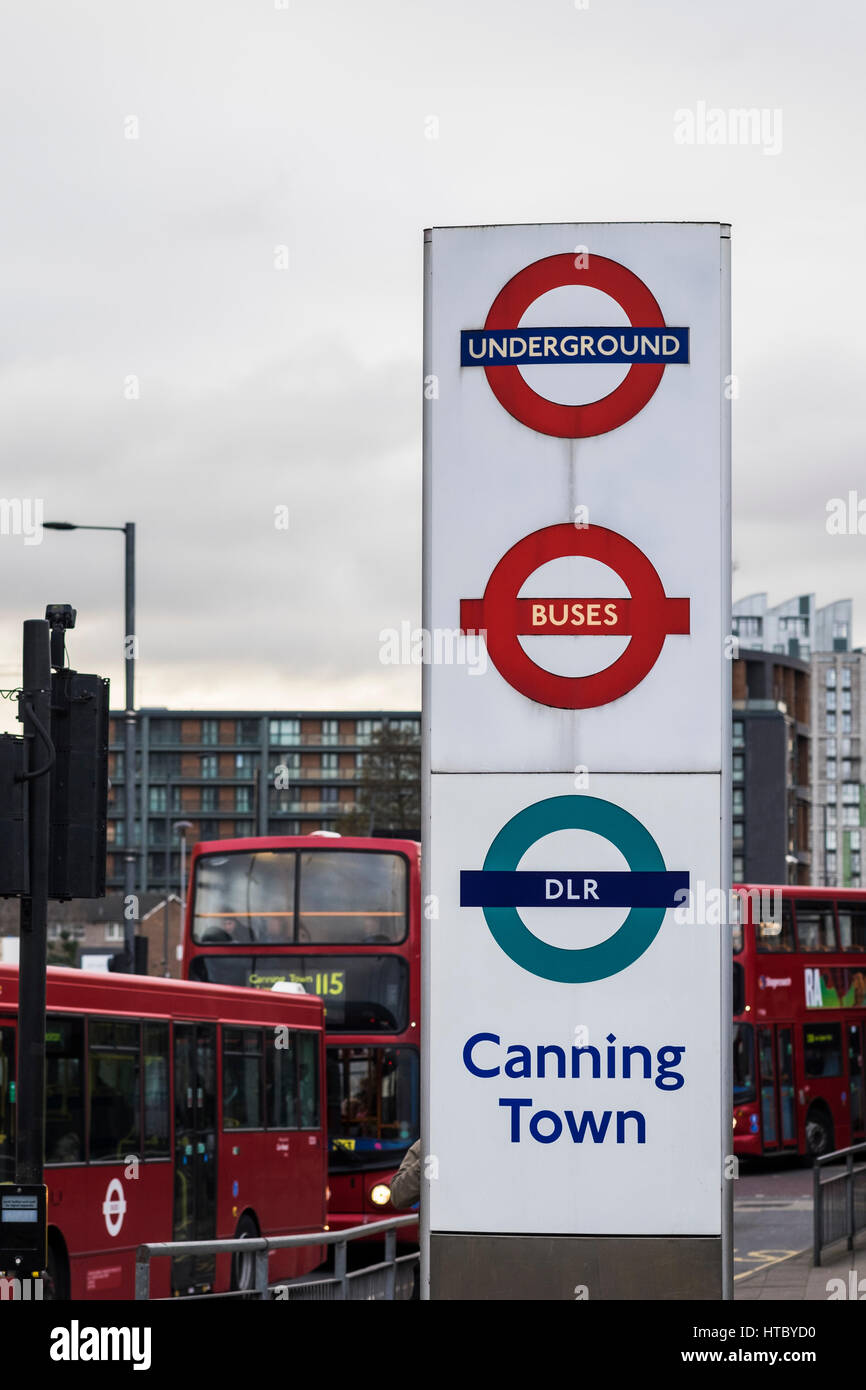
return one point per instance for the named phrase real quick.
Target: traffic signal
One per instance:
(79, 785)
(14, 837)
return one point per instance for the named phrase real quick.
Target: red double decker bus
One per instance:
(173, 1112)
(799, 1019)
(342, 917)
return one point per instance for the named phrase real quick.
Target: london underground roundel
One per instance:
(647, 889)
(647, 617)
(502, 347)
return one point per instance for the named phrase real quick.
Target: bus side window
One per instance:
(114, 1067)
(282, 1081)
(852, 926)
(776, 936)
(64, 1089)
(816, 927)
(156, 1090)
(308, 1080)
(242, 1078)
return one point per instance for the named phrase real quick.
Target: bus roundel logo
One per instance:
(648, 889)
(114, 1207)
(650, 345)
(647, 617)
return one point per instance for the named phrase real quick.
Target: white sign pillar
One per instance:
(576, 966)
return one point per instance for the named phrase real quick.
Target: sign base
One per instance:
(554, 1268)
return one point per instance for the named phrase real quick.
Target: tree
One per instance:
(388, 788)
(63, 951)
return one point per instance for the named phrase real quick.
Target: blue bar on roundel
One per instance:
(504, 347)
(570, 888)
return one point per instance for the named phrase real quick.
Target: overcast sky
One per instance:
(306, 126)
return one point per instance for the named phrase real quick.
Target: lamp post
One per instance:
(183, 826)
(129, 646)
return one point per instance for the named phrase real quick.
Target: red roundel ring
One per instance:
(501, 620)
(598, 417)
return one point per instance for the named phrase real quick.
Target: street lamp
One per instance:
(129, 645)
(183, 826)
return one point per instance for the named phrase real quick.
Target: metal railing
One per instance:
(838, 1201)
(391, 1278)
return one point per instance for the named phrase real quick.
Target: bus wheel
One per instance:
(819, 1132)
(244, 1266)
(56, 1272)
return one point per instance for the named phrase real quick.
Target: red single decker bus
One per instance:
(340, 916)
(173, 1112)
(799, 1018)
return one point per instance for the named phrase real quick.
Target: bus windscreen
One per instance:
(285, 896)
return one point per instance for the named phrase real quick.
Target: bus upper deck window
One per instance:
(774, 935)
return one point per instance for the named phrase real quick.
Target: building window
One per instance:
(284, 732)
(157, 799)
(830, 863)
(831, 769)
(830, 839)
(330, 731)
(247, 731)
(846, 677)
(245, 765)
(739, 767)
(209, 829)
(329, 765)
(831, 699)
(114, 931)
(830, 677)
(850, 815)
(855, 864)
(738, 833)
(330, 793)
(156, 868)
(165, 731)
(830, 815)
(831, 723)
(243, 798)
(854, 839)
(157, 834)
(739, 740)
(208, 801)
(846, 700)
(738, 805)
(284, 827)
(739, 868)
(365, 729)
(164, 765)
(851, 792)
(406, 726)
(846, 769)
(846, 723)
(210, 731)
(244, 828)
(209, 765)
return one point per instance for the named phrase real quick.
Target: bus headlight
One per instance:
(381, 1194)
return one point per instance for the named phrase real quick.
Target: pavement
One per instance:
(795, 1278)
